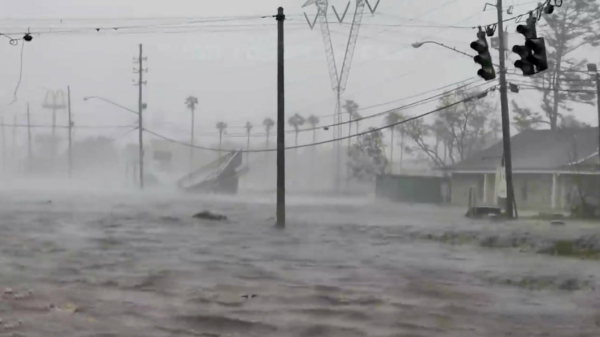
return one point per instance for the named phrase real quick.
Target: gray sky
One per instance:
(230, 65)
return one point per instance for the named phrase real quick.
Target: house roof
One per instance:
(537, 150)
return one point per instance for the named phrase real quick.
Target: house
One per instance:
(547, 166)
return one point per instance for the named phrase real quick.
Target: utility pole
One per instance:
(70, 133)
(141, 82)
(3, 144)
(55, 105)
(29, 152)
(337, 134)
(598, 104)
(510, 195)
(280, 120)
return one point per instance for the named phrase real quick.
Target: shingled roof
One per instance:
(538, 150)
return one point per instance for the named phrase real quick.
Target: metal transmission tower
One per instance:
(339, 79)
(58, 102)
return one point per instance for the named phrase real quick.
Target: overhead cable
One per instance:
(371, 130)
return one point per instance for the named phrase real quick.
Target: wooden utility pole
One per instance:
(510, 195)
(280, 119)
(140, 121)
(54, 106)
(192, 142)
(70, 134)
(598, 104)
(29, 152)
(3, 143)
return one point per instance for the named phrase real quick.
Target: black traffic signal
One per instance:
(487, 71)
(539, 58)
(533, 53)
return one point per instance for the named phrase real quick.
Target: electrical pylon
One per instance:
(339, 80)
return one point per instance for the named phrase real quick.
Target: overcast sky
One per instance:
(230, 64)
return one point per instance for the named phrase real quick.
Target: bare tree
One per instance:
(464, 129)
(565, 31)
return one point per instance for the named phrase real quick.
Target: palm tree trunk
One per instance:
(349, 130)
(392, 151)
(357, 123)
(267, 145)
(401, 149)
(267, 155)
(220, 141)
(192, 147)
(248, 153)
(296, 139)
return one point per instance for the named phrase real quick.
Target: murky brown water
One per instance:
(127, 266)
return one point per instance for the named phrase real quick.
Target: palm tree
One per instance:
(314, 121)
(351, 108)
(391, 119)
(191, 103)
(268, 123)
(296, 121)
(249, 127)
(221, 127)
(357, 119)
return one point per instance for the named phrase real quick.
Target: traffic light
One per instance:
(539, 58)
(533, 54)
(484, 58)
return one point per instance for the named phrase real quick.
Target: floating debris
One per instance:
(210, 216)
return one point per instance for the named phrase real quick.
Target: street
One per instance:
(81, 264)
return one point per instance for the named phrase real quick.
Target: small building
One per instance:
(547, 166)
(419, 189)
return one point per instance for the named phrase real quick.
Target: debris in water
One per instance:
(249, 296)
(557, 223)
(210, 216)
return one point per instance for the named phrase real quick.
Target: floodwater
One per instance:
(103, 265)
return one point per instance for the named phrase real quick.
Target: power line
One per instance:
(16, 92)
(529, 86)
(412, 26)
(382, 104)
(411, 105)
(372, 130)
(539, 7)
(117, 28)
(66, 126)
(416, 95)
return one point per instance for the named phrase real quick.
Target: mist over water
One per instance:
(85, 251)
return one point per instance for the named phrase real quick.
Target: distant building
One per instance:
(547, 166)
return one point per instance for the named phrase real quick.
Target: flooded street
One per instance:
(131, 265)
